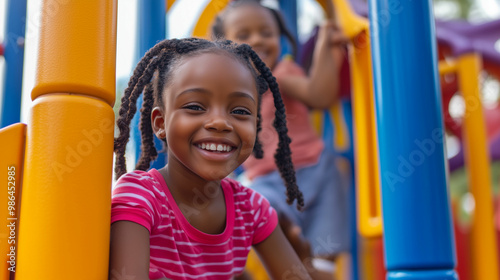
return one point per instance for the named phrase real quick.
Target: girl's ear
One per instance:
(158, 123)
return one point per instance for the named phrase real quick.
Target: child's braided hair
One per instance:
(153, 73)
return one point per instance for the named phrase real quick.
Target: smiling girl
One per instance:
(186, 220)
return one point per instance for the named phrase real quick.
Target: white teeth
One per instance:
(215, 147)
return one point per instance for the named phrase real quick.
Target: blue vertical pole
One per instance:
(14, 59)
(418, 236)
(288, 9)
(152, 29)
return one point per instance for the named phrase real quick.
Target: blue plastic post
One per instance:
(288, 9)
(418, 236)
(151, 29)
(10, 112)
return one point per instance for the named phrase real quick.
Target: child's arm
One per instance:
(320, 89)
(281, 261)
(129, 255)
(279, 258)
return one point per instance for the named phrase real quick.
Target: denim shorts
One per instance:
(325, 219)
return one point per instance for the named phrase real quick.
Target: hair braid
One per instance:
(128, 109)
(149, 152)
(283, 153)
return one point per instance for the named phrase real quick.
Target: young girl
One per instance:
(186, 220)
(324, 221)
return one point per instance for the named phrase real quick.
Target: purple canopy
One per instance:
(461, 36)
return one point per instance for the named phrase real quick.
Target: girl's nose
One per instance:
(255, 40)
(218, 122)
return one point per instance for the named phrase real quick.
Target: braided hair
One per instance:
(153, 73)
(218, 26)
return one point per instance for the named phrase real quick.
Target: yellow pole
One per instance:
(365, 143)
(484, 246)
(64, 222)
(202, 27)
(12, 141)
(363, 109)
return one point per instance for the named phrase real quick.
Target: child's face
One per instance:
(256, 26)
(209, 115)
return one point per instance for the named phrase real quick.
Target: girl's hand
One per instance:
(330, 36)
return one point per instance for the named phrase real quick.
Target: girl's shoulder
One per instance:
(252, 210)
(244, 196)
(239, 191)
(145, 183)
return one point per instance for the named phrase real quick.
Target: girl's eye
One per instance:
(242, 36)
(267, 33)
(241, 111)
(193, 107)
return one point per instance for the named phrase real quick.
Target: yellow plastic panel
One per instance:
(12, 141)
(365, 138)
(317, 120)
(65, 219)
(77, 49)
(365, 143)
(484, 243)
(341, 141)
(447, 67)
(202, 27)
(363, 103)
(352, 24)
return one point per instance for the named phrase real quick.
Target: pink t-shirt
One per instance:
(306, 146)
(177, 249)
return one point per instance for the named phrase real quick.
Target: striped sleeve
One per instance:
(134, 199)
(265, 217)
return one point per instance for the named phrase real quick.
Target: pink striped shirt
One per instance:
(177, 249)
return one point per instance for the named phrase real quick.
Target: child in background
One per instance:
(324, 221)
(186, 220)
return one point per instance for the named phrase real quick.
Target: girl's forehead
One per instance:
(211, 70)
(210, 58)
(249, 12)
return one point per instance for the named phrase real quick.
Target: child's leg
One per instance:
(325, 218)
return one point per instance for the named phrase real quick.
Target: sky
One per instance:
(181, 19)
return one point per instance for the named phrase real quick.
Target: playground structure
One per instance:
(61, 145)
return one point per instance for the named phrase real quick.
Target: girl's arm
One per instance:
(129, 252)
(279, 258)
(320, 89)
(282, 262)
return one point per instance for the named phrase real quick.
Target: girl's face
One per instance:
(256, 26)
(209, 116)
